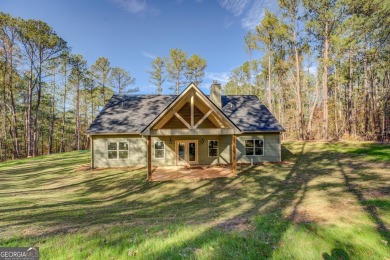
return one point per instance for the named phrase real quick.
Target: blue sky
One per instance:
(130, 33)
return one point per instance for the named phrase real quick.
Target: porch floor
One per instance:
(197, 172)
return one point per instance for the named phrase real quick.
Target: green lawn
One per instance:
(325, 201)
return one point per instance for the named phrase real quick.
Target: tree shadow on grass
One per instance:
(244, 216)
(336, 254)
(358, 193)
(223, 204)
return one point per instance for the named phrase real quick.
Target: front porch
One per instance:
(190, 157)
(191, 131)
(196, 172)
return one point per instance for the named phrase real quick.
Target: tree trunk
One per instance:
(269, 80)
(62, 147)
(77, 132)
(4, 110)
(309, 123)
(376, 108)
(28, 117)
(92, 107)
(366, 93)
(298, 89)
(14, 125)
(350, 90)
(386, 108)
(325, 85)
(335, 105)
(39, 94)
(52, 117)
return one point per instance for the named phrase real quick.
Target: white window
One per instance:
(118, 150)
(213, 148)
(254, 147)
(159, 150)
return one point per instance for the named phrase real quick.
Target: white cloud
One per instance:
(148, 55)
(256, 13)
(135, 6)
(236, 7)
(253, 16)
(221, 77)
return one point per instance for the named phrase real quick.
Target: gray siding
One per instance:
(271, 148)
(203, 158)
(137, 151)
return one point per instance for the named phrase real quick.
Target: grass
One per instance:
(327, 200)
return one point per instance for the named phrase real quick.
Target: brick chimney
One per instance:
(215, 93)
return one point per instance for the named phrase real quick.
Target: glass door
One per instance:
(186, 152)
(191, 152)
(181, 153)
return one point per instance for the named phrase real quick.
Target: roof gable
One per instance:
(191, 93)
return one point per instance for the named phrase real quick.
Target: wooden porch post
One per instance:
(149, 143)
(234, 159)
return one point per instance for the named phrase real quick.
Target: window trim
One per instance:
(154, 150)
(118, 150)
(208, 148)
(254, 146)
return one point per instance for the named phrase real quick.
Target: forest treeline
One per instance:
(322, 67)
(48, 95)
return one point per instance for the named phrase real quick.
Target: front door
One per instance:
(186, 152)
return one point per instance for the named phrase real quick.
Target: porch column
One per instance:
(149, 143)
(234, 159)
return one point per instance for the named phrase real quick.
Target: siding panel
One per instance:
(137, 151)
(271, 148)
(170, 155)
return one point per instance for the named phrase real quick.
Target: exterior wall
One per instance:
(137, 151)
(203, 158)
(272, 149)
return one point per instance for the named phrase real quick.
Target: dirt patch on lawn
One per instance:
(235, 224)
(83, 168)
(378, 193)
(304, 217)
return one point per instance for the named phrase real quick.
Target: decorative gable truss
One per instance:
(191, 113)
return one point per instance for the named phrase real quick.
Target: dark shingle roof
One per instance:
(249, 114)
(133, 113)
(129, 113)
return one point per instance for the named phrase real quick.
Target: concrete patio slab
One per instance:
(198, 172)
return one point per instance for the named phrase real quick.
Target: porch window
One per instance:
(213, 148)
(118, 150)
(254, 147)
(159, 150)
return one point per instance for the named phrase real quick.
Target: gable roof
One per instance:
(132, 114)
(203, 97)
